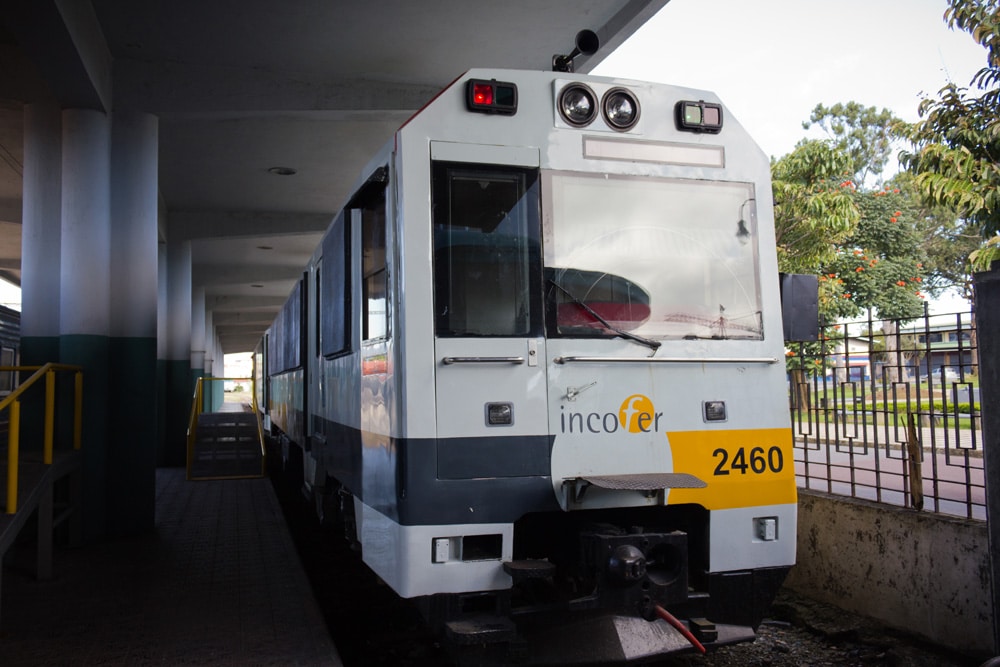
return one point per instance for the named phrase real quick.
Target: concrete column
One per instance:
(40, 234)
(134, 294)
(161, 350)
(219, 367)
(178, 360)
(84, 296)
(198, 340)
(41, 218)
(213, 389)
(987, 292)
(198, 331)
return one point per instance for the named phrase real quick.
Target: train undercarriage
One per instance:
(617, 587)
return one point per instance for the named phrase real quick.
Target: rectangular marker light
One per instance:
(714, 411)
(491, 96)
(699, 116)
(499, 414)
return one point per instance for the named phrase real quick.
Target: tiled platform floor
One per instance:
(217, 583)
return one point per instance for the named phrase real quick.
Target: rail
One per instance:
(197, 409)
(890, 412)
(13, 402)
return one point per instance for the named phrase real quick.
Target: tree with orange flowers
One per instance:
(880, 267)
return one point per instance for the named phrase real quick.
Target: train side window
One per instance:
(318, 305)
(333, 290)
(487, 265)
(7, 377)
(375, 303)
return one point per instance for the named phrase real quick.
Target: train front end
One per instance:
(603, 432)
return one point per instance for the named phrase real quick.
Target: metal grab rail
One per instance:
(13, 401)
(196, 403)
(197, 409)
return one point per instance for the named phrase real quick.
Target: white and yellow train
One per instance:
(537, 363)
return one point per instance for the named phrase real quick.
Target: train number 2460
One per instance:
(756, 460)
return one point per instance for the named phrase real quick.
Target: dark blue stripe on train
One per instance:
(441, 481)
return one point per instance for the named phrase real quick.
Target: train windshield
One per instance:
(650, 258)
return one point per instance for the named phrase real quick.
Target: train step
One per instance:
(485, 629)
(522, 570)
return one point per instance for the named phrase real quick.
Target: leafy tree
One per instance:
(813, 209)
(956, 145)
(982, 258)
(880, 266)
(865, 134)
(946, 240)
(864, 247)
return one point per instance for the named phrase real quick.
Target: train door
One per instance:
(487, 311)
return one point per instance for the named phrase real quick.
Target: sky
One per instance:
(772, 61)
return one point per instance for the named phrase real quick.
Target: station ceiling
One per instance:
(242, 87)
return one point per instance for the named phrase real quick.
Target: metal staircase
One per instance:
(226, 444)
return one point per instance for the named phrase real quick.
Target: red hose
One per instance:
(669, 618)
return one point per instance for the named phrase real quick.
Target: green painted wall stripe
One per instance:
(92, 352)
(179, 392)
(131, 466)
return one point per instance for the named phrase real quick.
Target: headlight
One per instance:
(621, 109)
(577, 105)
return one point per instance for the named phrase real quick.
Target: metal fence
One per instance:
(889, 411)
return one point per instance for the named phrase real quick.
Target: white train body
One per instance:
(523, 321)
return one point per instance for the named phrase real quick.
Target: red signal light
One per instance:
(492, 96)
(482, 93)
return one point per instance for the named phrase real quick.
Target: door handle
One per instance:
(448, 361)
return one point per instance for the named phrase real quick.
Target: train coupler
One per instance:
(634, 570)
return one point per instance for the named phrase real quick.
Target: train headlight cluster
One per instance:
(578, 106)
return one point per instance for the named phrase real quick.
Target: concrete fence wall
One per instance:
(923, 573)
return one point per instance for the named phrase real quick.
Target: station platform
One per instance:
(218, 582)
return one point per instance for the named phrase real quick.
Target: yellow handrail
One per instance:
(12, 454)
(13, 400)
(193, 424)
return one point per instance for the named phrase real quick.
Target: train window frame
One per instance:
(712, 291)
(373, 221)
(317, 329)
(335, 287)
(8, 358)
(514, 213)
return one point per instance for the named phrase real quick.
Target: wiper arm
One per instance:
(652, 344)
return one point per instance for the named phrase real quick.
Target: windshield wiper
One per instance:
(652, 344)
